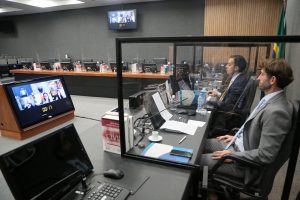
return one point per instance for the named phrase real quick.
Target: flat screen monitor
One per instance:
(67, 66)
(37, 100)
(43, 168)
(149, 67)
(27, 65)
(113, 67)
(91, 66)
(122, 19)
(160, 61)
(45, 65)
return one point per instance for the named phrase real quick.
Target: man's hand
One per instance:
(225, 138)
(219, 154)
(212, 93)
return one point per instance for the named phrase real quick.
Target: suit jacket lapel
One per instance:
(263, 106)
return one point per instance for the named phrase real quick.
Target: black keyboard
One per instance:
(107, 191)
(179, 118)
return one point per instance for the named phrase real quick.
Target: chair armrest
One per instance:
(205, 177)
(228, 113)
(245, 162)
(234, 130)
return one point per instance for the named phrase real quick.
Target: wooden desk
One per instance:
(99, 84)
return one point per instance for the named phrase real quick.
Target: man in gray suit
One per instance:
(262, 134)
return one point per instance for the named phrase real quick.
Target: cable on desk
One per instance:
(98, 120)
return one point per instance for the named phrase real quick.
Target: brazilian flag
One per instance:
(279, 48)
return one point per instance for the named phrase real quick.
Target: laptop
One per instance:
(50, 167)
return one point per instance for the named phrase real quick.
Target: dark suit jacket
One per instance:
(233, 94)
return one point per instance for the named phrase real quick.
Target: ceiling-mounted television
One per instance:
(122, 19)
(37, 100)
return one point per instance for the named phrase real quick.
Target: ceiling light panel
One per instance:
(46, 3)
(8, 9)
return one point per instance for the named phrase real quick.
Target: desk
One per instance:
(194, 142)
(165, 182)
(99, 84)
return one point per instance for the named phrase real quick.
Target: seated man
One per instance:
(262, 134)
(235, 68)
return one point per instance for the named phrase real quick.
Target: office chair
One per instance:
(260, 183)
(223, 121)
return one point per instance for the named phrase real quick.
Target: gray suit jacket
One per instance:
(265, 132)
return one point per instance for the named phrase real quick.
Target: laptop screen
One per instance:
(34, 168)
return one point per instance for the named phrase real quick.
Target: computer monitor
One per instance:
(37, 100)
(91, 66)
(122, 19)
(113, 67)
(52, 61)
(45, 65)
(12, 61)
(67, 66)
(3, 61)
(43, 168)
(149, 67)
(27, 65)
(160, 61)
(152, 111)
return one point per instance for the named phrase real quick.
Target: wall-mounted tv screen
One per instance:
(39, 99)
(122, 19)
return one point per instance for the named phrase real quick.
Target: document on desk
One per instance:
(180, 127)
(166, 115)
(196, 123)
(162, 151)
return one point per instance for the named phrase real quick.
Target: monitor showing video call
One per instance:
(39, 99)
(122, 19)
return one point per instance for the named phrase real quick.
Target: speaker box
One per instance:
(8, 27)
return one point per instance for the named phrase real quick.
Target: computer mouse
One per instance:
(113, 173)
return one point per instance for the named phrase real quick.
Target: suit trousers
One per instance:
(230, 169)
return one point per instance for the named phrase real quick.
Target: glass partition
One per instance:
(172, 114)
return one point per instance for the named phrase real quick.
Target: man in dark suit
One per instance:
(235, 69)
(261, 136)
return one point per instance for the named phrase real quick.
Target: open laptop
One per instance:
(50, 167)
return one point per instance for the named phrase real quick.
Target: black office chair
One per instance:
(262, 177)
(223, 121)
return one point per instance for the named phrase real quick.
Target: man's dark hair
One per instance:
(280, 69)
(240, 62)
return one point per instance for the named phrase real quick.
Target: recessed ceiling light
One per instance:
(46, 3)
(8, 9)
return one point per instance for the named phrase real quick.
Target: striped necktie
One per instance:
(224, 93)
(257, 108)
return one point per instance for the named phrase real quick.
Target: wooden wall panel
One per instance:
(238, 17)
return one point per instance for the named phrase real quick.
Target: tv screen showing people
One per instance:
(122, 19)
(39, 99)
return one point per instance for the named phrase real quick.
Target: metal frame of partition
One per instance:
(242, 40)
(227, 44)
